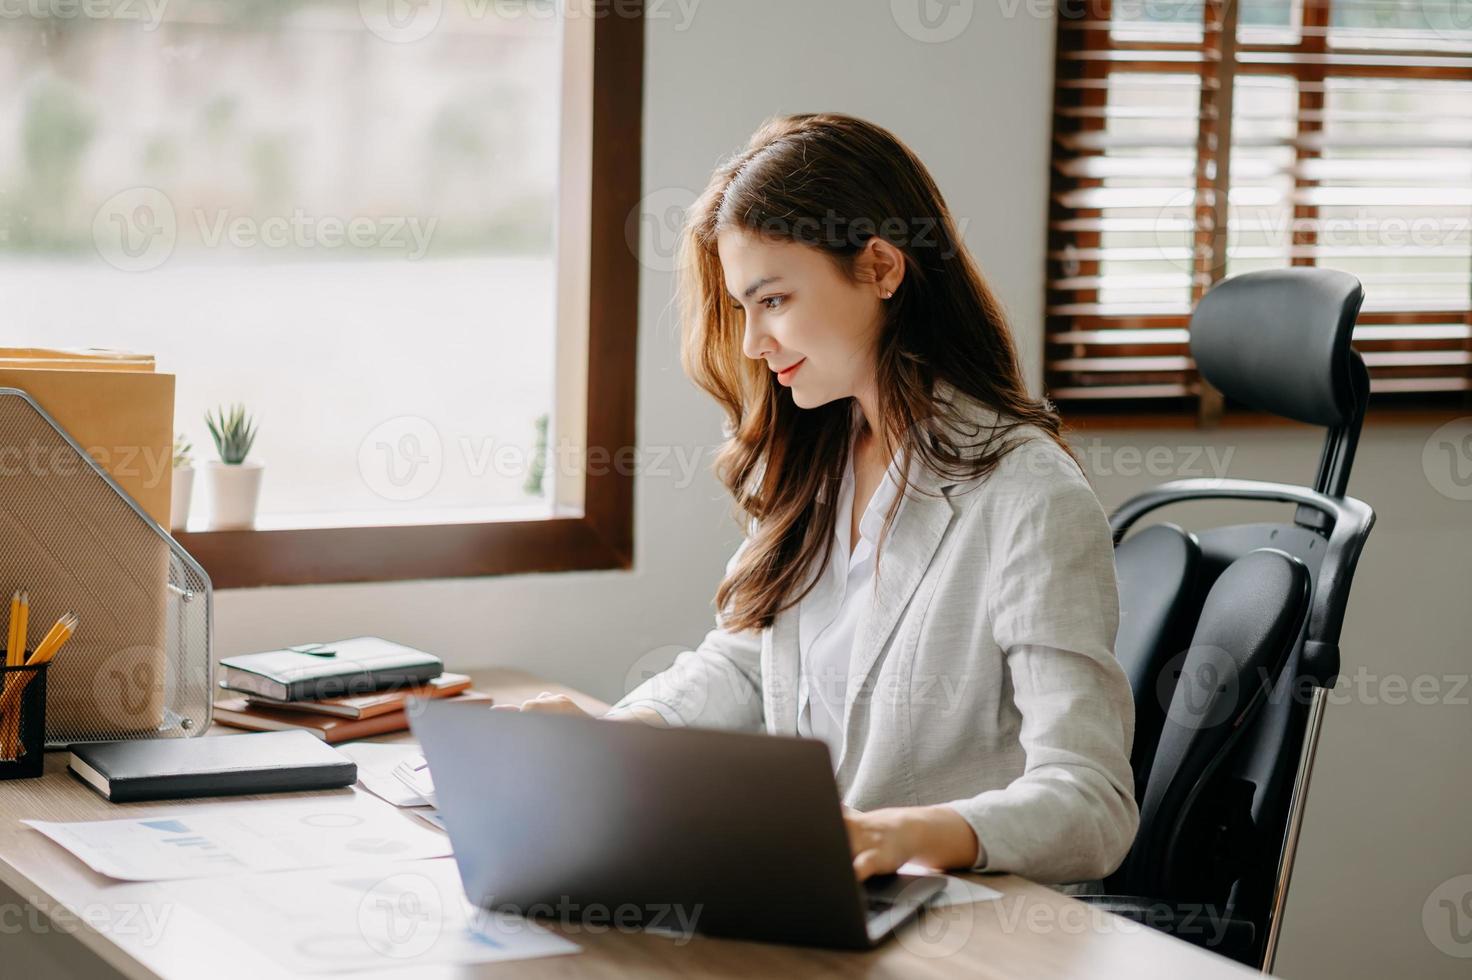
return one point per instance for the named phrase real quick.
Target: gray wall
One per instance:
(1388, 817)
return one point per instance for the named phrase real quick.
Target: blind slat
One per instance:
(1175, 336)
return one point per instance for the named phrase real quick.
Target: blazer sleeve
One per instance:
(1054, 603)
(716, 685)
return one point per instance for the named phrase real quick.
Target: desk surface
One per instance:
(1032, 931)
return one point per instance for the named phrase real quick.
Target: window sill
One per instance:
(247, 558)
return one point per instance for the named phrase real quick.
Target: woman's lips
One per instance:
(785, 375)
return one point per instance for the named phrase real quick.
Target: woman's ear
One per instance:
(880, 263)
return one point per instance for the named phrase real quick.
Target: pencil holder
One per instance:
(22, 721)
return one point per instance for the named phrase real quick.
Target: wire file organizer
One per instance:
(139, 665)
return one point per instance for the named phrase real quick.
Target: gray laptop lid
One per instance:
(741, 834)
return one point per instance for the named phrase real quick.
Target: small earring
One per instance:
(889, 294)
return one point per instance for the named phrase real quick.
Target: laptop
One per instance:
(678, 829)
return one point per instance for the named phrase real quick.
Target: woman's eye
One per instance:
(770, 300)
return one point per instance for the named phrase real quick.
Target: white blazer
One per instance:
(983, 676)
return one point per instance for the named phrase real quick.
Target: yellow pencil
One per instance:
(23, 630)
(10, 701)
(13, 655)
(58, 635)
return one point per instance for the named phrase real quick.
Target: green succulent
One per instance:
(234, 433)
(183, 451)
(535, 474)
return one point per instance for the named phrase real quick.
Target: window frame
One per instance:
(602, 535)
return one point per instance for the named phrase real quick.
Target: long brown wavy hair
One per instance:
(831, 182)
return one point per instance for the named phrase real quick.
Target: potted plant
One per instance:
(182, 490)
(232, 484)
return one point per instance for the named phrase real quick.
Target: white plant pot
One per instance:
(231, 493)
(182, 493)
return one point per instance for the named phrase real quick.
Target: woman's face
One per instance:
(815, 328)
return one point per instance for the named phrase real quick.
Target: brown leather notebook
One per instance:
(237, 713)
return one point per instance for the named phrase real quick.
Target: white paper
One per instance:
(386, 915)
(432, 817)
(414, 773)
(376, 762)
(257, 835)
(958, 891)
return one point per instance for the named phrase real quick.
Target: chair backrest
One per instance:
(1157, 571)
(1277, 341)
(1215, 688)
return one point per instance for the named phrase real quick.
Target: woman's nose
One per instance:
(756, 343)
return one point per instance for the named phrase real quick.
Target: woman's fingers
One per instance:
(870, 863)
(878, 841)
(863, 862)
(544, 703)
(552, 704)
(863, 838)
(857, 832)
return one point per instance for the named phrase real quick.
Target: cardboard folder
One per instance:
(114, 405)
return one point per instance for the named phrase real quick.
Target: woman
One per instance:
(927, 582)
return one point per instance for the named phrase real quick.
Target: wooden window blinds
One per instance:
(1198, 139)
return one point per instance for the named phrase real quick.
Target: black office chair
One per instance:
(1230, 635)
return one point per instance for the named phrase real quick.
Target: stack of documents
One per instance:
(321, 885)
(391, 773)
(399, 775)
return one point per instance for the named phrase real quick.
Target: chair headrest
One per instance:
(1279, 341)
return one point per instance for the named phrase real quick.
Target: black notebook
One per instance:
(217, 765)
(330, 670)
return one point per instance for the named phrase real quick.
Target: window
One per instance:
(1349, 129)
(377, 225)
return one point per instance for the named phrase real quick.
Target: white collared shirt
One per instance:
(830, 615)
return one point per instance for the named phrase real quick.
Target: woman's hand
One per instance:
(546, 703)
(936, 836)
(881, 841)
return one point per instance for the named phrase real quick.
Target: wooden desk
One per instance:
(59, 918)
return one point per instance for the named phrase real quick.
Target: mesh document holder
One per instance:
(139, 664)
